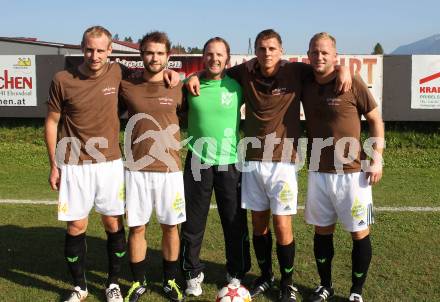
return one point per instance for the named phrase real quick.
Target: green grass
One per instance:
(406, 245)
(404, 265)
(410, 172)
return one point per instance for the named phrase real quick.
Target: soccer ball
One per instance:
(233, 293)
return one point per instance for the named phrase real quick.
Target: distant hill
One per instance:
(428, 46)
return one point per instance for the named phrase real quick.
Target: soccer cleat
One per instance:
(355, 298)
(287, 294)
(135, 292)
(173, 292)
(194, 285)
(77, 295)
(261, 284)
(322, 294)
(233, 280)
(113, 293)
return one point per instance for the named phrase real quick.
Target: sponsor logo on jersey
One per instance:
(333, 101)
(109, 90)
(279, 91)
(165, 100)
(227, 98)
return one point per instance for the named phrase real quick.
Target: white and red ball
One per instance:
(233, 293)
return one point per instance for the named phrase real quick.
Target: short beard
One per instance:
(155, 71)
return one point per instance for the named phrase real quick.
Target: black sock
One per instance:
(361, 258)
(263, 252)
(286, 257)
(171, 270)
(324, 251)
(116, 249)
(138, 270)
(75, 253)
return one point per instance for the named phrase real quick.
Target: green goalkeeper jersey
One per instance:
(214, 119)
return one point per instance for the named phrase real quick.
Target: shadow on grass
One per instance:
(34, 258)
(304, 294)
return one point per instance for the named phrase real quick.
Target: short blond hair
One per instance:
(96, 31)
(322, 35)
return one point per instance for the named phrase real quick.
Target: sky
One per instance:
(356, 25)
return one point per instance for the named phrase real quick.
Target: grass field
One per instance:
(406, 245)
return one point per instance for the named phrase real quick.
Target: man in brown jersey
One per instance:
(83, 101)
(339, 180)
(271, 88)
(154, 179)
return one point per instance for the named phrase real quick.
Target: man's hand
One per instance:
(54, 178)
(374, 173)
(193, 85)
(377, 132)
(171, 77)
(343, 79)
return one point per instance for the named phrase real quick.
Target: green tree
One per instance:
(178, 49)
(194, 50)
(378, 50)
(116, 37)
(128, 39)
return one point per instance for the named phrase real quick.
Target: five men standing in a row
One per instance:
(83, 106)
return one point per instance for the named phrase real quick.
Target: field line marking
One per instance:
(213, 206)
(24, 201)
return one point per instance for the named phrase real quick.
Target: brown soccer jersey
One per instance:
(89, 112)
(272, 109)
(155, 138)
(337, 116)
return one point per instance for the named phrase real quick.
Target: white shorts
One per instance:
(344, 196)
(270, 185)
(82, 186)
(159, 190)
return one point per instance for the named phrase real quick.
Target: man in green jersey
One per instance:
(213, 125)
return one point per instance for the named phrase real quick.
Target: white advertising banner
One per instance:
(18, 85)
(369, 67)
(425, 82)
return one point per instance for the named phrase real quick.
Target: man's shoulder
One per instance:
(358, 85)
(294, 68)
(230, 81)
(65, 75)
(357, 80)
(132, 79)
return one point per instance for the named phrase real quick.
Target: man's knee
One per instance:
(359, 235)
(283, 228)
(325, 230)
(77, 227)
(260, 222)
(112, 224)
(169, 230)
(137, 231)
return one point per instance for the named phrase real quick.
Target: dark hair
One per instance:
(221, 40)
(156, 37)
(267, 34)
(96, 31)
